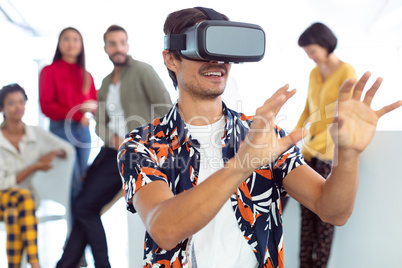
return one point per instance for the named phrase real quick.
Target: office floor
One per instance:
(51, 238)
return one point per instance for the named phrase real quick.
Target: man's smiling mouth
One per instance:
(215, 74)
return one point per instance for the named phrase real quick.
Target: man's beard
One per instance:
(204, 93)
(119, 63)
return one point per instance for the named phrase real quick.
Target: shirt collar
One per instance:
(66, 64)
(130, 62)
(177, 130)
(28, 137)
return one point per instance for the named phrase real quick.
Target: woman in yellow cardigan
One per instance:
(319, 43)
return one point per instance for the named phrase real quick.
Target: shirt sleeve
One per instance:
(8, 177)
(49, 142)
(92, 90)
(138, 165)
(306, 112)
(350, 72)
(156, 91)
(304, 117)
(101, 116)
(286, 162)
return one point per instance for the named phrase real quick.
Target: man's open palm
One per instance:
(262, 145)
(355, 122)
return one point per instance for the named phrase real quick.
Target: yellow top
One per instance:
(319, 111)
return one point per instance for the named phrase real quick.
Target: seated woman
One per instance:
(23, 150)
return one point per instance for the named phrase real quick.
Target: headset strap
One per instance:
(210, 13)
(178, 41)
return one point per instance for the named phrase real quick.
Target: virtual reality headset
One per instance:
(219, 40)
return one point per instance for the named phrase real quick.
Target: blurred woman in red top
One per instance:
(66, 93)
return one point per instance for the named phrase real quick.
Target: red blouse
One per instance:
(60, 90)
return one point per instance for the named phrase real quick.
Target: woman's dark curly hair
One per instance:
(10, 89)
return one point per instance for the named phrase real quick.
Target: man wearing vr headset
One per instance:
(206, 181)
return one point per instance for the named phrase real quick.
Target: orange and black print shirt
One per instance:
(165, 151)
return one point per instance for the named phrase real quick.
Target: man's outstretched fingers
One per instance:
(372, 91)
(344, 90)
(388, 108)
(280, 90)
(273, 104)
(359, 87)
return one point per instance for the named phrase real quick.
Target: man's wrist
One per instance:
(349, 153)
(241, 168)
(345, 155)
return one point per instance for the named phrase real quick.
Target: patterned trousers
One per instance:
(17, 210)
(316, 236)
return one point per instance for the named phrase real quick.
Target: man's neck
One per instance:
(116, 74)
(200, 112)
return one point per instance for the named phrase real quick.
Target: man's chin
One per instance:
(120, 63)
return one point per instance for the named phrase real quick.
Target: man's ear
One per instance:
(170, 60)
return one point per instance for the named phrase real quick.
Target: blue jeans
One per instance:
(80, 137)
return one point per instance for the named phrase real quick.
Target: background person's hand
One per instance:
(84, 121)
(61, 153)
(89, 106)
(45, 161)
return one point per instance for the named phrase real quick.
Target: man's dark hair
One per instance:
(318, 34)
(10, 89)
(178, 21)
(113, 28)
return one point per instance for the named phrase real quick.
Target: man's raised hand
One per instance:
(355, 122)
(262, 145)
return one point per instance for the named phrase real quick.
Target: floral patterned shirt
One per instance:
(164, 150)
